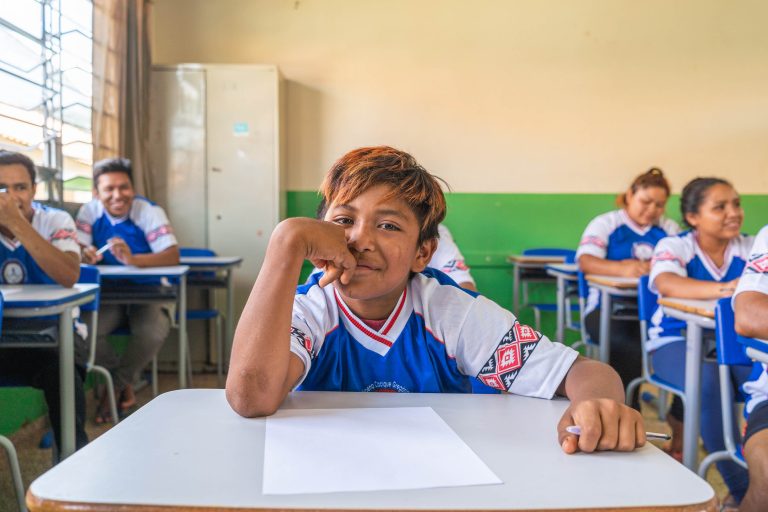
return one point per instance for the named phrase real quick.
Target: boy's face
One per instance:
(15, 180)
(383, 236)
(115, 191)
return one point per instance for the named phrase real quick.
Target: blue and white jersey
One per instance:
(145, 229)
(681, 255)
(17, 266)
(435, 339)
(448, 258)
(755, 279)
(614, 236)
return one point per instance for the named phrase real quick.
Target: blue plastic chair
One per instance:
(551, 307)
(586, 340)
(10, 452)
(207, 279)
(90, 274)
(729, 353)
(646, 305)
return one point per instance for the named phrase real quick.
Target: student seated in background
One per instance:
(139, 234)
(38, 246)
(449, 260)
(703, 263)
(377, 319)
(751, 309)
(620, 243)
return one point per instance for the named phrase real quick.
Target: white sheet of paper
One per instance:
(344, 450)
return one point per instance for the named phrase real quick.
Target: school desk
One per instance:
(225, 264)
(564, 273)
(610, 286)
(135, 295)
(698, 315)
(187, 449)
(36, 300)
(522, 262)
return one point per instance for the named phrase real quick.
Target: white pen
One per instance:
(3, 190)
(104, 249)
(576, 430)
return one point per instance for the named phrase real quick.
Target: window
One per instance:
(46, 90)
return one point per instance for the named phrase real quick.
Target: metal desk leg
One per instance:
(692, 396)
(183, 341)
(605, 326)
(516, 288)
(230, 325)
(67, 383)
(561, 309)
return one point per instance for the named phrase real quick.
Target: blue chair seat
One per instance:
(200, 314)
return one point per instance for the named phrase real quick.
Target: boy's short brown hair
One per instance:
(364, 168)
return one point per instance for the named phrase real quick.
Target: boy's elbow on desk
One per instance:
(251, 403)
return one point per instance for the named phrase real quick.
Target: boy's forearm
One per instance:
(166, 258)
(589, 379)
(62, 267)
(752, 314)
(259, 366)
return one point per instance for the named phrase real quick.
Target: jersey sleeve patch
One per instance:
(669, 256)
(303, 341)
(159, 232)
(513, 351)
(758, 264)
(63, 234)
(593, 240)
(84, 227)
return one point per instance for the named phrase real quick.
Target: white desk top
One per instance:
(41, 295)
(131, 271)
(704, 308)
(188, 448)
(210, 261)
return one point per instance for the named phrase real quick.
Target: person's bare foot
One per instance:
(127, 398)
(675, 446)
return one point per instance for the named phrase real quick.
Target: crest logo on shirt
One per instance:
(642, 251)
(759, 265)
(513, 351)
(13, 272)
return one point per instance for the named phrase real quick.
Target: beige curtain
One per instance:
(121, 68)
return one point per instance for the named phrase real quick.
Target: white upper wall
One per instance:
(504, 95)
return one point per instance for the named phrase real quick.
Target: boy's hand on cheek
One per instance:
(326, 247)
(605, 425)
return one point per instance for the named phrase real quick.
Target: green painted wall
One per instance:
(487, 227)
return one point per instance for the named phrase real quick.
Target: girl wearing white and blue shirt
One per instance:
(703, 263)
(620, 243)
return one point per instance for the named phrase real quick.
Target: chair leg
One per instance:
(525, 294)
(716, 456)
(13, 462)
(631, 388)
(189, 367)
(662, 404)
(537, 319)
(154, 376)
(219, 352)
(109, 384)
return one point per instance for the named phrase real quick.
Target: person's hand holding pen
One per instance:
(120, 250)
(92, 255)
(604, 424)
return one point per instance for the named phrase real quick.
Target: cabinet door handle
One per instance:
(215, 169)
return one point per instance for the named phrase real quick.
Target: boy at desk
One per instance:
(38, 247)
(387, 324)
(120, 228)
(751, 310)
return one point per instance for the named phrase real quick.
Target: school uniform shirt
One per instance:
(681, 255)
(615, 236)
(145, 229)
(435, 339)
(755, 279)
(448, 258)
(17, 266)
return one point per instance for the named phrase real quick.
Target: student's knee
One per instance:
(152, 323)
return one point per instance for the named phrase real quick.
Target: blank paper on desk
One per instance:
(343, 450)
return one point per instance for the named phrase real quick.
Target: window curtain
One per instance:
(121, 72)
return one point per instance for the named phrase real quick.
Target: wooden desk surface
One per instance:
(542, 260)
(705, 308)
(613, 281)
(189, 449)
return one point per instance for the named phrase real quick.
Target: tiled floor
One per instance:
(34, 461)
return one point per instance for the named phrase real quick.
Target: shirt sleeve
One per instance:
(85, 220)
(594, 240)
(448, 259)
(755, 276)
(669, 226)
(61, 232)
(157, 228)
(669, 255)
(516, 359)
(309, 320)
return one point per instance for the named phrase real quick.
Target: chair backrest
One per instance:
(646, 300)
(729, 350)
(571, 257)
(549, 251)
(195, 251)
(90, 274)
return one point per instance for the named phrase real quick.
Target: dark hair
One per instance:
(12, 158)
(653, 177)
(694, 192)
(364, 168)
(112, 165)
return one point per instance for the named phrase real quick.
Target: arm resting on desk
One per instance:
(672, 285)
(590, 264)
(166, 258)
(597, 406)
(62, 267)
(751, 310)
